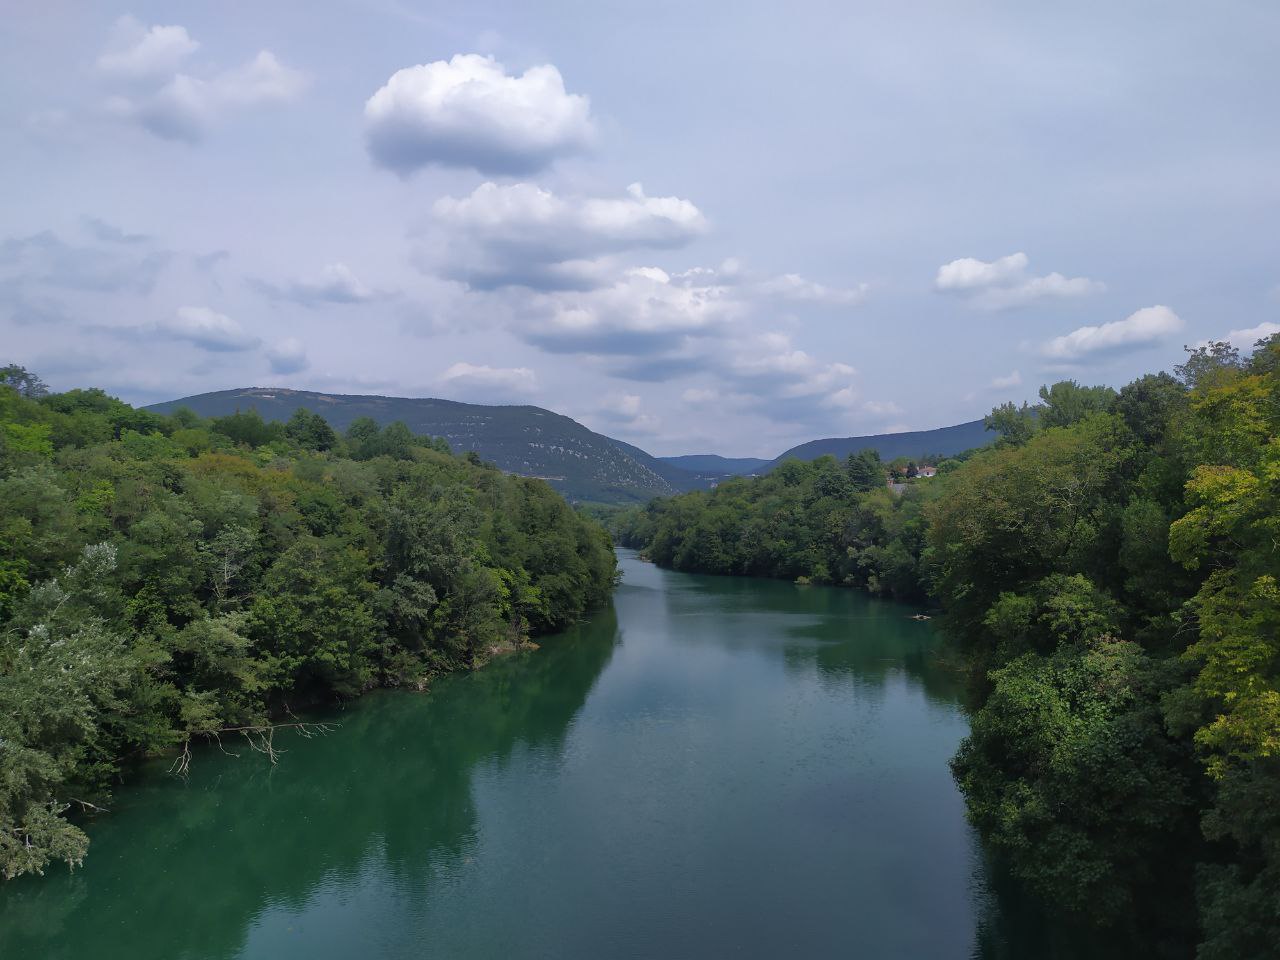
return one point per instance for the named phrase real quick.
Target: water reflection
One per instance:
(180, 870)
(846, 635)
(710, 767)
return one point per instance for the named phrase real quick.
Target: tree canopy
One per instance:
(168, 578)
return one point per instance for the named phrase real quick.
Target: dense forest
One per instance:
(170, 579)
(1108, 569)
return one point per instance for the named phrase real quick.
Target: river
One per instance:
(710, 767)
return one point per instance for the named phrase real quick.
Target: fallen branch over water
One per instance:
(260, 737)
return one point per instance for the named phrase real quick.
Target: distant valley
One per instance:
(580, 463)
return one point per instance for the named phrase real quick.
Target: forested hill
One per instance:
(944, 441)
(170, 579)
(535, 442)
(530, 441)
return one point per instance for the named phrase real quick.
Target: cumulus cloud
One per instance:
(785, 381)
(1141, 328)
(136, 52)
(336, 283)
(287, 356)
(1003, 383)
(1245, 339)
(523, 235)
(625, 412)
(469, 112)
(487, 381)
(643, 312)
(207, 329)
(141, 66)
(1005, 283)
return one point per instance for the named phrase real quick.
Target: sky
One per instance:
(712, 227)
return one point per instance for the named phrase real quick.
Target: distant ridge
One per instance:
(527, 440)
(944, 441)
(580, 463)
(712, 464)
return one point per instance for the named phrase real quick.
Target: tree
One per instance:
(1069, 773)
(310, 430)
(1015, 425)
(1149, 405)
(362, 438)
(866, 470)
(1066, 402)
(26, 383)
(247, 428)
(1208, 364)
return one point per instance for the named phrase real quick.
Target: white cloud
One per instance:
(149, 90)
(523, 235)
(642, 312)
(624, 412)
(786, 381)
(792, 286)
(788, 286)
(287, 356)
(1004, 283)
(336, 283)
(1003, 383)
(483, 379)
(968, 273)
(138, 53)
(468, 112)
(208, 329)
(264, 79)
(1143, 327)
(1245, 339)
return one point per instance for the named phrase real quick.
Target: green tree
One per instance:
(1014, 424)
(310, 430)
(1067, 402)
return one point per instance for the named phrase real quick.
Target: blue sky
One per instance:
(696, 227)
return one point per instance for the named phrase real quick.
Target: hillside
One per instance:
(712, 464)
(917, 443)
(531, 441)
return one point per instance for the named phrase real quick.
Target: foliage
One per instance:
(1109, 570)
(1069, 773)
(823, 521)
(168, 577)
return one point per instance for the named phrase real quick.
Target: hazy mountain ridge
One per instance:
(944, 441)
(712, 464)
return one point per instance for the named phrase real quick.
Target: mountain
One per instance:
(580, 463)
(712, 464)
(918, 443)
(531, 441)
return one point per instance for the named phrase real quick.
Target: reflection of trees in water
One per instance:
(847, 635)
(861, 644)
(182, 870)
(1013, 925)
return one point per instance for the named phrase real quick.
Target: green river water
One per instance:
(711, 767)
